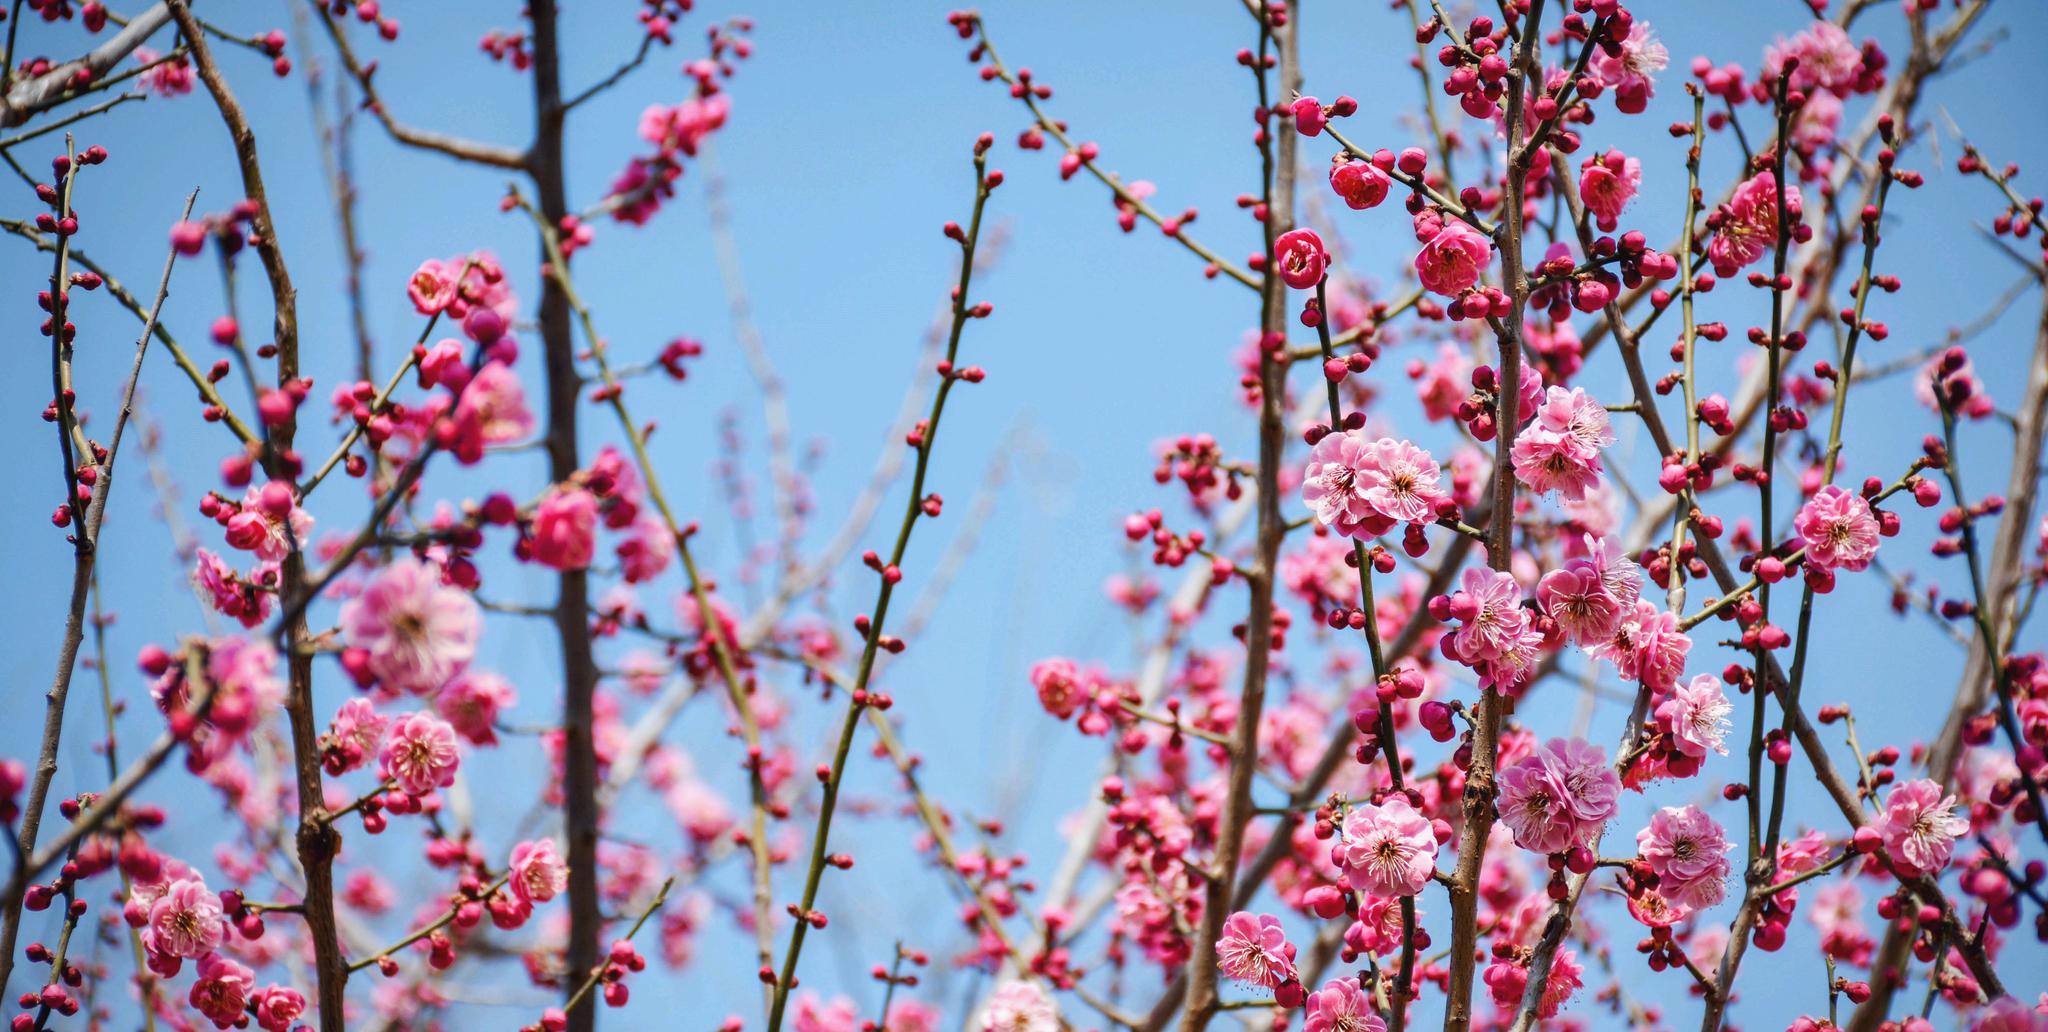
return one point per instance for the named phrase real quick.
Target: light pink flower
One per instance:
(417, 632)
(1453, 259)
(1254, 950)
(538, 872)
(1696, 715)
(1688, 852)
(1020, 1007)
(1629, 73)
(1341, 1006)
(565, 529)
(1839, 529)
(645, 550)
(492, 410)
(1301, 258)
(1749, 223)
(227, 592)
(1362, 487)
(1496, 637)
(1608, 182)
(1558, 796)
(1560, 450)
(812, 1014)
(431, 286)
(471, 702)
(2011, 1014)
(420, 753)
(172, 78)
(1507, 980)
(1647, 646)
(1388, 849)
(1828, 59)
(1920, 826)
(186, 921)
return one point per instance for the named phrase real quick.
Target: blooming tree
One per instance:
(1354, 810)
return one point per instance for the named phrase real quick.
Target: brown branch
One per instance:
(489, 154)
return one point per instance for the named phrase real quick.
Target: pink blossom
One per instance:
(270, 522)
(186, 921)
(172, 78)
(1828, 59)
(814, 1015)
(1496, 637)
(1629, 73)
(1688, 852)
(2011, 1014)
(278, 1008)
(245, 685)
(1388, 849)
(222, 991)
(1301, 259)
(1254, 950)
(1443, 383)
(417, 632)
(1361, 487)
(1920, 826)
(1839, 529)
(1558, 796)
(1647, 646)
(1453, 258)
(1506, 981)
(1020, 1007)
(538, 872)
(1560, 450)
(420, 753)
(1696, 715)
(1749, 223)
(1591, 594)
(431, 286)
(491, 410)
(565, 529)
(1341, 1006)
(1608, 182)
(471, 702)
(227, 592)
(1362, 184)
(645, 550)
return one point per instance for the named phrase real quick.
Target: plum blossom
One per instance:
(432, 286)
(1839, 529)
(186, 921)
(1560, 450)
(1387, 849)
(1828, 59)
(1362, 487)
(1687, 850)
(1559, 796)
(420, 753)
(471, 702)
(1496, 637)
(1696, 716)
(1301, 258)
(491, 410)
(1920, 826)
(1506, 981)
(1647, 646)
(1254, 950)
(538, 872)
(1589, 596)
(1629, 72)
(1453, 254)
(1748, 223)
(1362, 184)
(228, 593)
(222, 990)
(415, 631)
(565, 529)
(269, 522)
(1020, 1007)
(1341, 1006)
(2011, 1014)
(278, 1008)
(1608, 182)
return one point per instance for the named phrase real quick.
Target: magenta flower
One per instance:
(278, 1008)
(1688, 852)
(1560, 449)
(1388, 849)
(417, 632)
(431, 286)
(1507, 980)
(1301, 259)
(1341, 1006)
(222, 991)
(491, 410)
(1828, 59)
(1629, 72)
(420, 753)
(1647, 646)
(538, 872)
(1453, 259)
(1020, 1007)
(565, 529)
(1839, 529)
(1749, 223)
(1497, 639)
(1920, 827)
(1362, 184)
(471, 702)
(186, 921)
(1254, 950)
(1608, 182)
(1696, 716)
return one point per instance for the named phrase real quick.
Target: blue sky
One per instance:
(846, 151)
